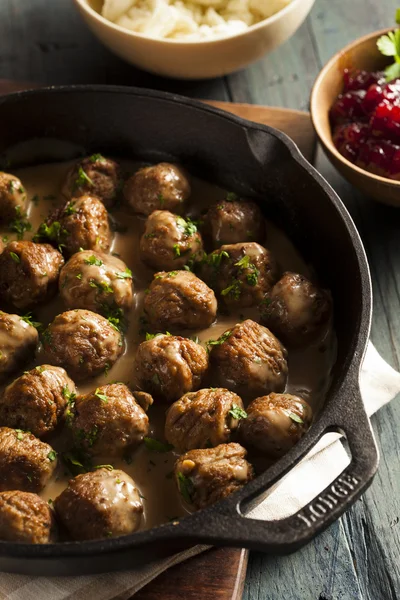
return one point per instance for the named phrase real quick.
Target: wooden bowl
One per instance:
(361, 54)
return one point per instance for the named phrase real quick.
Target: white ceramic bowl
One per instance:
(196, 59)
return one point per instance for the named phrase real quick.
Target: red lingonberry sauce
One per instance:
(365, 122)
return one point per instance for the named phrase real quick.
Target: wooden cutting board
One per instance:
(219, 573)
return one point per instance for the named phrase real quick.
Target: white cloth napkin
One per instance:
(379, 384)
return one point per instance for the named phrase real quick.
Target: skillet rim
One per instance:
(349, 371)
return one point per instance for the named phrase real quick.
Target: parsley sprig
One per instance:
(389, 45)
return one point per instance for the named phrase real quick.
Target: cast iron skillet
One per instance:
(256, 161)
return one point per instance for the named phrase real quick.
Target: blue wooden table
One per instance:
(358, 558)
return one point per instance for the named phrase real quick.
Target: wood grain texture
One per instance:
(357, 558)
(214, 575)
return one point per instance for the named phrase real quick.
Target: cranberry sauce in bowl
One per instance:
(365, 120)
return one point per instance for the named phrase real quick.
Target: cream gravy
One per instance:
(309, 368)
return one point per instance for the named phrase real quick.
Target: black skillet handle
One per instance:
(291, 533)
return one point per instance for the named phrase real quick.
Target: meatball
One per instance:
(275, 423)
(206, 476)
(94, 175)
(168, 366)
(83, 342)
(111, 412)
(164, 186)
(170, 242)
(29, 273)
(100, 504)
(249, 360)
(202, 419)
(18, 342)
(37, 400)
(26, 463)
(232, 222)
(240, 274)
(81, 223)
(12, 197)
(97, 282)
(296, 310)
(177, 300)
(25, 517)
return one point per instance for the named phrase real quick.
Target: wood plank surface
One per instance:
(357, 557)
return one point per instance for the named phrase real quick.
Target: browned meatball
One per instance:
(18, 342)
(179, 300)
(163, 186)
(296, 310)
(275, 423)
(26, 463)
(202, 419)
(111, 412)
(168, 366)
(12, 197)
(240, 274)
(29, 273)
(170, 242)
(231, 222)
(206, 476)
(100, 504)
(36, 401)
(83, 342)
(249, 360)
(94, 175)
(81, 223)
(97, 282)
(25, 517)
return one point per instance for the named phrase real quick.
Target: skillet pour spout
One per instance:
(258, 162)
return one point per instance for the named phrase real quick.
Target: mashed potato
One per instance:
(189, 20)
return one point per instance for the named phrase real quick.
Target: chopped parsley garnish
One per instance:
(161, 200)
(245, 263)
(75, 462)
(186, 487)
(219, 341)
(156, 446)
(4, 239)
(127, 274)
(79, 276)
(237, 412)
(20, 434)
(52, 232)
(46, 337)
(234, 290)
(69, 209)
(296, 418)
(177, 250)
(52, 455)
(214, 259)
(151, 336)
(102, 286)
(231, 196)
(40, 369)
(82, 179)
(187, 226)
(20, 224)
(28, 318)
(108, 467)
(107, 369)
(93, 260)
(100, 395)
(15, 257)
(115, 317)
(97, 157)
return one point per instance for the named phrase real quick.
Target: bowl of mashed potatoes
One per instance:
(193, 39)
